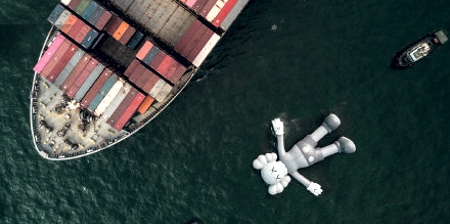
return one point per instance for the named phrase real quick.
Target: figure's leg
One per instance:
(329, 124)
(343, 144)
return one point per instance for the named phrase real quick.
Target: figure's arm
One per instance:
(278, 128)
(310, 186)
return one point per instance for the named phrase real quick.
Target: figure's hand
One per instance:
(315, 189)
(278, 127)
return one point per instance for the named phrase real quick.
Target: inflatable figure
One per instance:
(303, 154)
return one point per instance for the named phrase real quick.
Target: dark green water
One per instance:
(298, 60)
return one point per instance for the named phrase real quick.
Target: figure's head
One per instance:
(273, 172)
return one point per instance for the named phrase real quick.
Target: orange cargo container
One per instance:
(69, 23)
(118, 33)
(145, 104)
(144, 50)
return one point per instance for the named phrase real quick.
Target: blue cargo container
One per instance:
(89, 10)
(102, 93)
(89, 82)
(98, 12)
(151, 55)
(68, 68)
(135, 40)
(89, 39)
(55, 13)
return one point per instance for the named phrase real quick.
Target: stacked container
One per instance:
(126, 109)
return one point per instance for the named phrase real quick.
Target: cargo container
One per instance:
(224, 12)
(172, 68)
(98, 84)
(138, 71)
(55, 13)
(142, 80)
(102, 93)
(62, 19)
(153, 79)
(163, 67)
(198, 5)
(144, 50)
(103, 20)
(151, 55)
(49, 53)
(72, 4)
(156, 88)
(68, 68)
(199, 45)
(190, 3)
(215, 10)
(95, 16)
(135, 40)
(207, 7)
(120, 31)
(115, 116)
(129, 32)
(177, 74)
(115, 89)
(232, 15)
(55, 58)
(206, 50)
(82, 6)
(90, 38)
(128, 113)
(89, 82)
(69, 23)
(185, 38)
(82, 78)
(165, 90)
(83, 33)
(130, 69)
(193, 40)
(89, 10)
(54, 73)
(116, 102)
(113, 25)
(158, 59)
(145, 104)
(176, 26)
(75, 30)
(75, 73)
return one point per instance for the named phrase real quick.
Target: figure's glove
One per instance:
(314, 188)
(278, 127)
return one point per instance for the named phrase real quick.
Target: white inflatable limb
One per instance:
(285, 181)
(278, 126)
(315, 189)
(301, 179)
(329, 124)
(259, 162)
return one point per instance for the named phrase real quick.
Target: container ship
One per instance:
(109, 67)
(419, 49)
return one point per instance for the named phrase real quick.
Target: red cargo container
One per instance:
(150, 83)
(98, 84)
(207, 7)
(172, 68)
(54, 73)
(185, 38)
(146, 74)
(128, 113)
(69, 23)
(55, 58)
(103, 20)
(112, 120)
(193, 41)
(82, 77)
(164, 66)
(74, 4)
(75, 73)
(224, 12)
(131, 68)
(137, 73)
(83, 33)
(75, 29)
(127, 35)
(177, 74)
(113, 25)
(158, 59)
(144, 50)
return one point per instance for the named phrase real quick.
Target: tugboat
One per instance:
(419, 49)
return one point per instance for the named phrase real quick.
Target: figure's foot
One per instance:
(278, 127)
(331, 122)
(346, 145)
